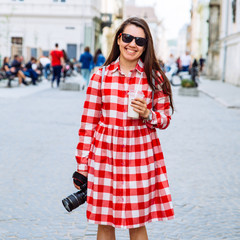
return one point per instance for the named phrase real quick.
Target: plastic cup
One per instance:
(132, 95)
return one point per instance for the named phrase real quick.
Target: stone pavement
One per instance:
(38, 136)
(17, 92)
(224, 93)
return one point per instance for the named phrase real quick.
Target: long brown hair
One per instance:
(148, 57)
(4, 61)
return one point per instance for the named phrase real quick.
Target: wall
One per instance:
(230, 43)
(43, 23)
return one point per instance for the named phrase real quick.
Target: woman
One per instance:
(13, 71)
(98, 59)
(66, 66)
(122, 156)
(86, 61)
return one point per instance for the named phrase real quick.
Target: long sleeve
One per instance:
(81, 58)
(161, 114)
(90, 118)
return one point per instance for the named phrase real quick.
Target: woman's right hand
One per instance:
(13, 69)
(84, 174)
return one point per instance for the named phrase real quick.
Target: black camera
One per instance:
(76, 199)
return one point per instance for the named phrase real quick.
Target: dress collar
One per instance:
(114, 66)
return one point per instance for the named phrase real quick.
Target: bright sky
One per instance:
(174, 13)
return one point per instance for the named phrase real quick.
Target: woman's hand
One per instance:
(13, 69)
(76, 186)
(84, 174)
(140, 106)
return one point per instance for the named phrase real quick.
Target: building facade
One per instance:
(112, 17)
(213, 60)
(182, 41)
(203, 34)
(230, 42)
(199, 28)
(31, 28)
(131, 9)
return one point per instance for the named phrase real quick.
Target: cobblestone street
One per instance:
(38, 137)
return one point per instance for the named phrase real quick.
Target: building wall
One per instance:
(194, 28)
(149, 14)
(199, 28)
(230, 43)
(203, 11)
(213, 61)
(182, 40)
(115, 9)
(43, 23)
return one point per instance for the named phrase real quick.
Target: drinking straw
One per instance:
(138, 85)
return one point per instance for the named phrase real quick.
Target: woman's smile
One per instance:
(130, 52)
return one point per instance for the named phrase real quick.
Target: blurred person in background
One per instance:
(194, 72)
(179, 65)
(186, 62)
(202, 63)
(11, 71)
(45, 62)
(98, 59)
(31, 70)
(66, 66)
(16, 67)
(171, 60)
(161, 64)
(57, 62)
(86, 61)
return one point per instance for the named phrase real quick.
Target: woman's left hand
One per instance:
(140, 106)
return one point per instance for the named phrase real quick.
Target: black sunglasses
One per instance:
(127, 38)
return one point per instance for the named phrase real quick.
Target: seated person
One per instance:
(30, 72)
(13, 70)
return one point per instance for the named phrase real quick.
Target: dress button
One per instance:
(122, 163)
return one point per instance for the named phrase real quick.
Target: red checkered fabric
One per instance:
(127, 179)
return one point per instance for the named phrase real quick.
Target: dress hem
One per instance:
(131, 226)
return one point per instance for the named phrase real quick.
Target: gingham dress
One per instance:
(127, 180)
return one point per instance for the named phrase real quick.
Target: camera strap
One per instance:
(103, 73)
(79, 179)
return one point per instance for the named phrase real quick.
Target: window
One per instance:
(16, 46)
(17, 40)
(72, 51)
(45, 53)
(34, 52)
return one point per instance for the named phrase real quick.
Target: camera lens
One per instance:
(74, 200)
(67, 204)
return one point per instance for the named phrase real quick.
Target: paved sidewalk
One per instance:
(225, 93)
(38, 138)
(16, 92)
(23, 91)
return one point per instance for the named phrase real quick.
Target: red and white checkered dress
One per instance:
(127, 179)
